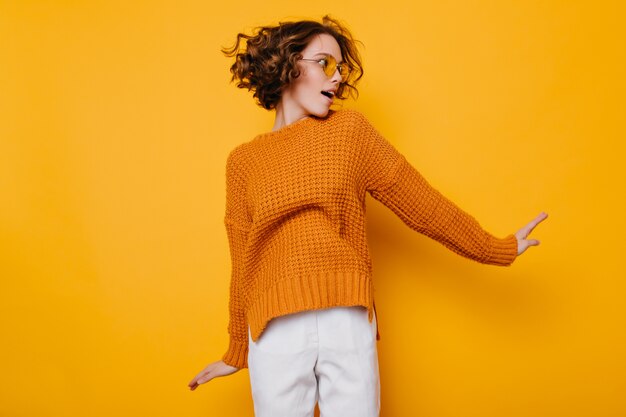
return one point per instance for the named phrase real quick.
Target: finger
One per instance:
(534, 222)
(194, 381)
(198, 382)
(197, 378)
(528, 228)
(206, 377)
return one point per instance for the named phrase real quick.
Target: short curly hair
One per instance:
(266, 61)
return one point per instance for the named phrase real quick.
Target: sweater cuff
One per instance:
(236, 355)
(503, 251)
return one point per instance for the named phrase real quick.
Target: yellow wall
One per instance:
(115, 122)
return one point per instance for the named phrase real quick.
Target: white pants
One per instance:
(327, 356)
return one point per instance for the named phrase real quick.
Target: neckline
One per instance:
(287, 128)
(297, 124)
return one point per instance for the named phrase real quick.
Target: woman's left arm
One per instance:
(393, 181)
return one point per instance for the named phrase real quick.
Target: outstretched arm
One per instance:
(429, 212)
(392, 180)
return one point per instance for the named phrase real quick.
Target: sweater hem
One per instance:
(311, 292)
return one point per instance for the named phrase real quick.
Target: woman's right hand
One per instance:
(213, 370)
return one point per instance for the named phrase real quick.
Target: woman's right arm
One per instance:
(237, 225)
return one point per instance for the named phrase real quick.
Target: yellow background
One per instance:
(115, 122)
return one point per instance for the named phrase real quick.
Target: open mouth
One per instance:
(329, 94)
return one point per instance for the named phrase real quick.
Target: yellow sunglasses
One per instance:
(329, 66)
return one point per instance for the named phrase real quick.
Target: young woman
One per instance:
(302, 311)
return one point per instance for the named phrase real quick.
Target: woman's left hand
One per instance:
(522, 234)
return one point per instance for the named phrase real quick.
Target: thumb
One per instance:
(525, 244)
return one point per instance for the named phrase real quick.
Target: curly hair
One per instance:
(266, 61)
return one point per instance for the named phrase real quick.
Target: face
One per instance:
(304, 95)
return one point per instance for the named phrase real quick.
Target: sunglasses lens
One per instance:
(331, 66)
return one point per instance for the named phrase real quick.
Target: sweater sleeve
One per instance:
(393, 181)
(237, 226)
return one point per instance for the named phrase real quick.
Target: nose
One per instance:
(336, 78)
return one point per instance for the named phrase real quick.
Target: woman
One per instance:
(302, 312)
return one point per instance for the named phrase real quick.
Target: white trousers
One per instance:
(327, 356)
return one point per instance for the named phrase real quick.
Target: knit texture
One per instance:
(295, 220)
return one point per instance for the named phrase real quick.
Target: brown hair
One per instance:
(267, 63)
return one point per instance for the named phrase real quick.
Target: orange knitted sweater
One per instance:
(295, 220)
